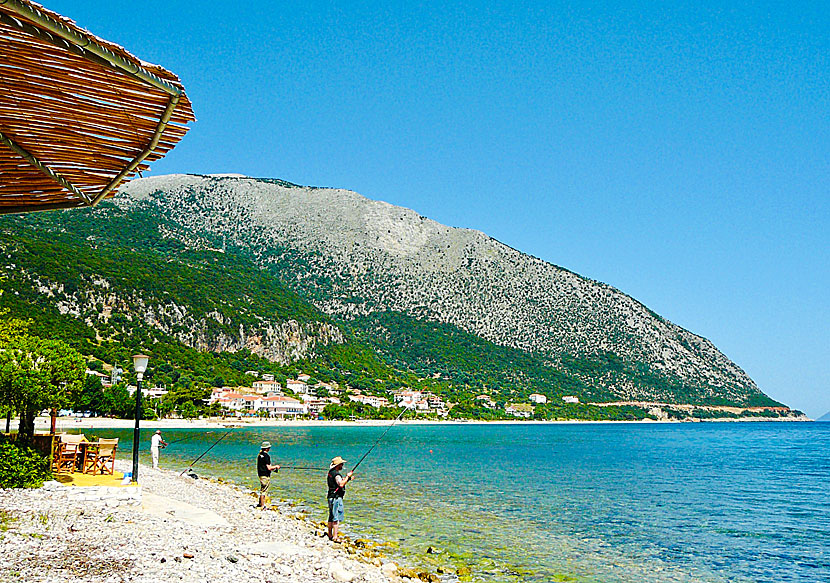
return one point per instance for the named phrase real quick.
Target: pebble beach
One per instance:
(182, 529)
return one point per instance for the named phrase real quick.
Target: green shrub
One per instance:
(22, 468)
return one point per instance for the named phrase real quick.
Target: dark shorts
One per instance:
(264, 482)
(336, 510)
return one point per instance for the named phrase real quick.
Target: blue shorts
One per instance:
(336, 511)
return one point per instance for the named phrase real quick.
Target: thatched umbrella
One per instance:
(78, 115)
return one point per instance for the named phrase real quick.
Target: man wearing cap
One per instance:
(263, 469)
(337, 489)
(156, 443)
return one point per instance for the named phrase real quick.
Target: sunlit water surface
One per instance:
(704, 502)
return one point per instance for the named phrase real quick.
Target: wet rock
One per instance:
(463, 571)
(408, 573)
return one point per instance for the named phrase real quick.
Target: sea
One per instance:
(582, 502)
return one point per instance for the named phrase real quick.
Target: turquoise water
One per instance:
(704, 502)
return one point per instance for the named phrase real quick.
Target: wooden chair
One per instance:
(68, 452)
(97, 458)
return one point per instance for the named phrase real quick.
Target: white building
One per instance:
(148, 393)
(370, 400)
(407, 398)
(486, 401)
(266, 386)
(281, 406)
(299, 387)
(519, 410)
(570, 399)
(537, 398)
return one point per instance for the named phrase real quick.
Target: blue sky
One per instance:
(680, 153)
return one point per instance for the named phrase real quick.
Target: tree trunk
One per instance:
(26, 432)
(8, 420)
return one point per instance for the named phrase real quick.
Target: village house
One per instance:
(219, 392)
(103, 377)
(329, 388)
(316, 405)
(281, 406)
(370, 400)
(266, 386)
(486, 401)
(569, 399)
(148, 392)
(299, 387)
(435, 402)
(228, 400)
(537, 398)
(519, 410)
(407, 397)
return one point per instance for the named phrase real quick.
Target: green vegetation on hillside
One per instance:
(111, 282)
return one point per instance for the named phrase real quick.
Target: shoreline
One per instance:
(184, 529)
(71, 423)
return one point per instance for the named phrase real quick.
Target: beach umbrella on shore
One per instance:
(78, 115)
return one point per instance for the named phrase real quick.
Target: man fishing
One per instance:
(156, 443)
(337, 489)
(263, 470)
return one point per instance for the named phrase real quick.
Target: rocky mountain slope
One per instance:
(353, 258)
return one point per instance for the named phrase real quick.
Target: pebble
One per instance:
(87, 540)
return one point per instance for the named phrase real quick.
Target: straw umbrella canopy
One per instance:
(78, 115)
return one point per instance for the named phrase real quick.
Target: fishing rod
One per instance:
(169, 443)
(204, 454)
(301, 468)
(405, 409)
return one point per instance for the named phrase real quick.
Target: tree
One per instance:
(188, 410)
(37, 374)
(90, 397)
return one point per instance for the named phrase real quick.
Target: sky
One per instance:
(679, 152)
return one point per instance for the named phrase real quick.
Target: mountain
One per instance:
(286, 273)
(825, 417)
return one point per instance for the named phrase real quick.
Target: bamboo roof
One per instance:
(78, 115)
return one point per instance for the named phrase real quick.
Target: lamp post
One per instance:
(140, 365)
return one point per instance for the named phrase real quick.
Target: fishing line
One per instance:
(405, 409)
(169, 443)
(205, 453)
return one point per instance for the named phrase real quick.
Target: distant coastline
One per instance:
(72, 423)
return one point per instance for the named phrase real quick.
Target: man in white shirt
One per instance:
(156, 443)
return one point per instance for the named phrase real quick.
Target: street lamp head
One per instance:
(140, 364)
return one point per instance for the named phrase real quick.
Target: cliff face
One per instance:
(351, 256)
